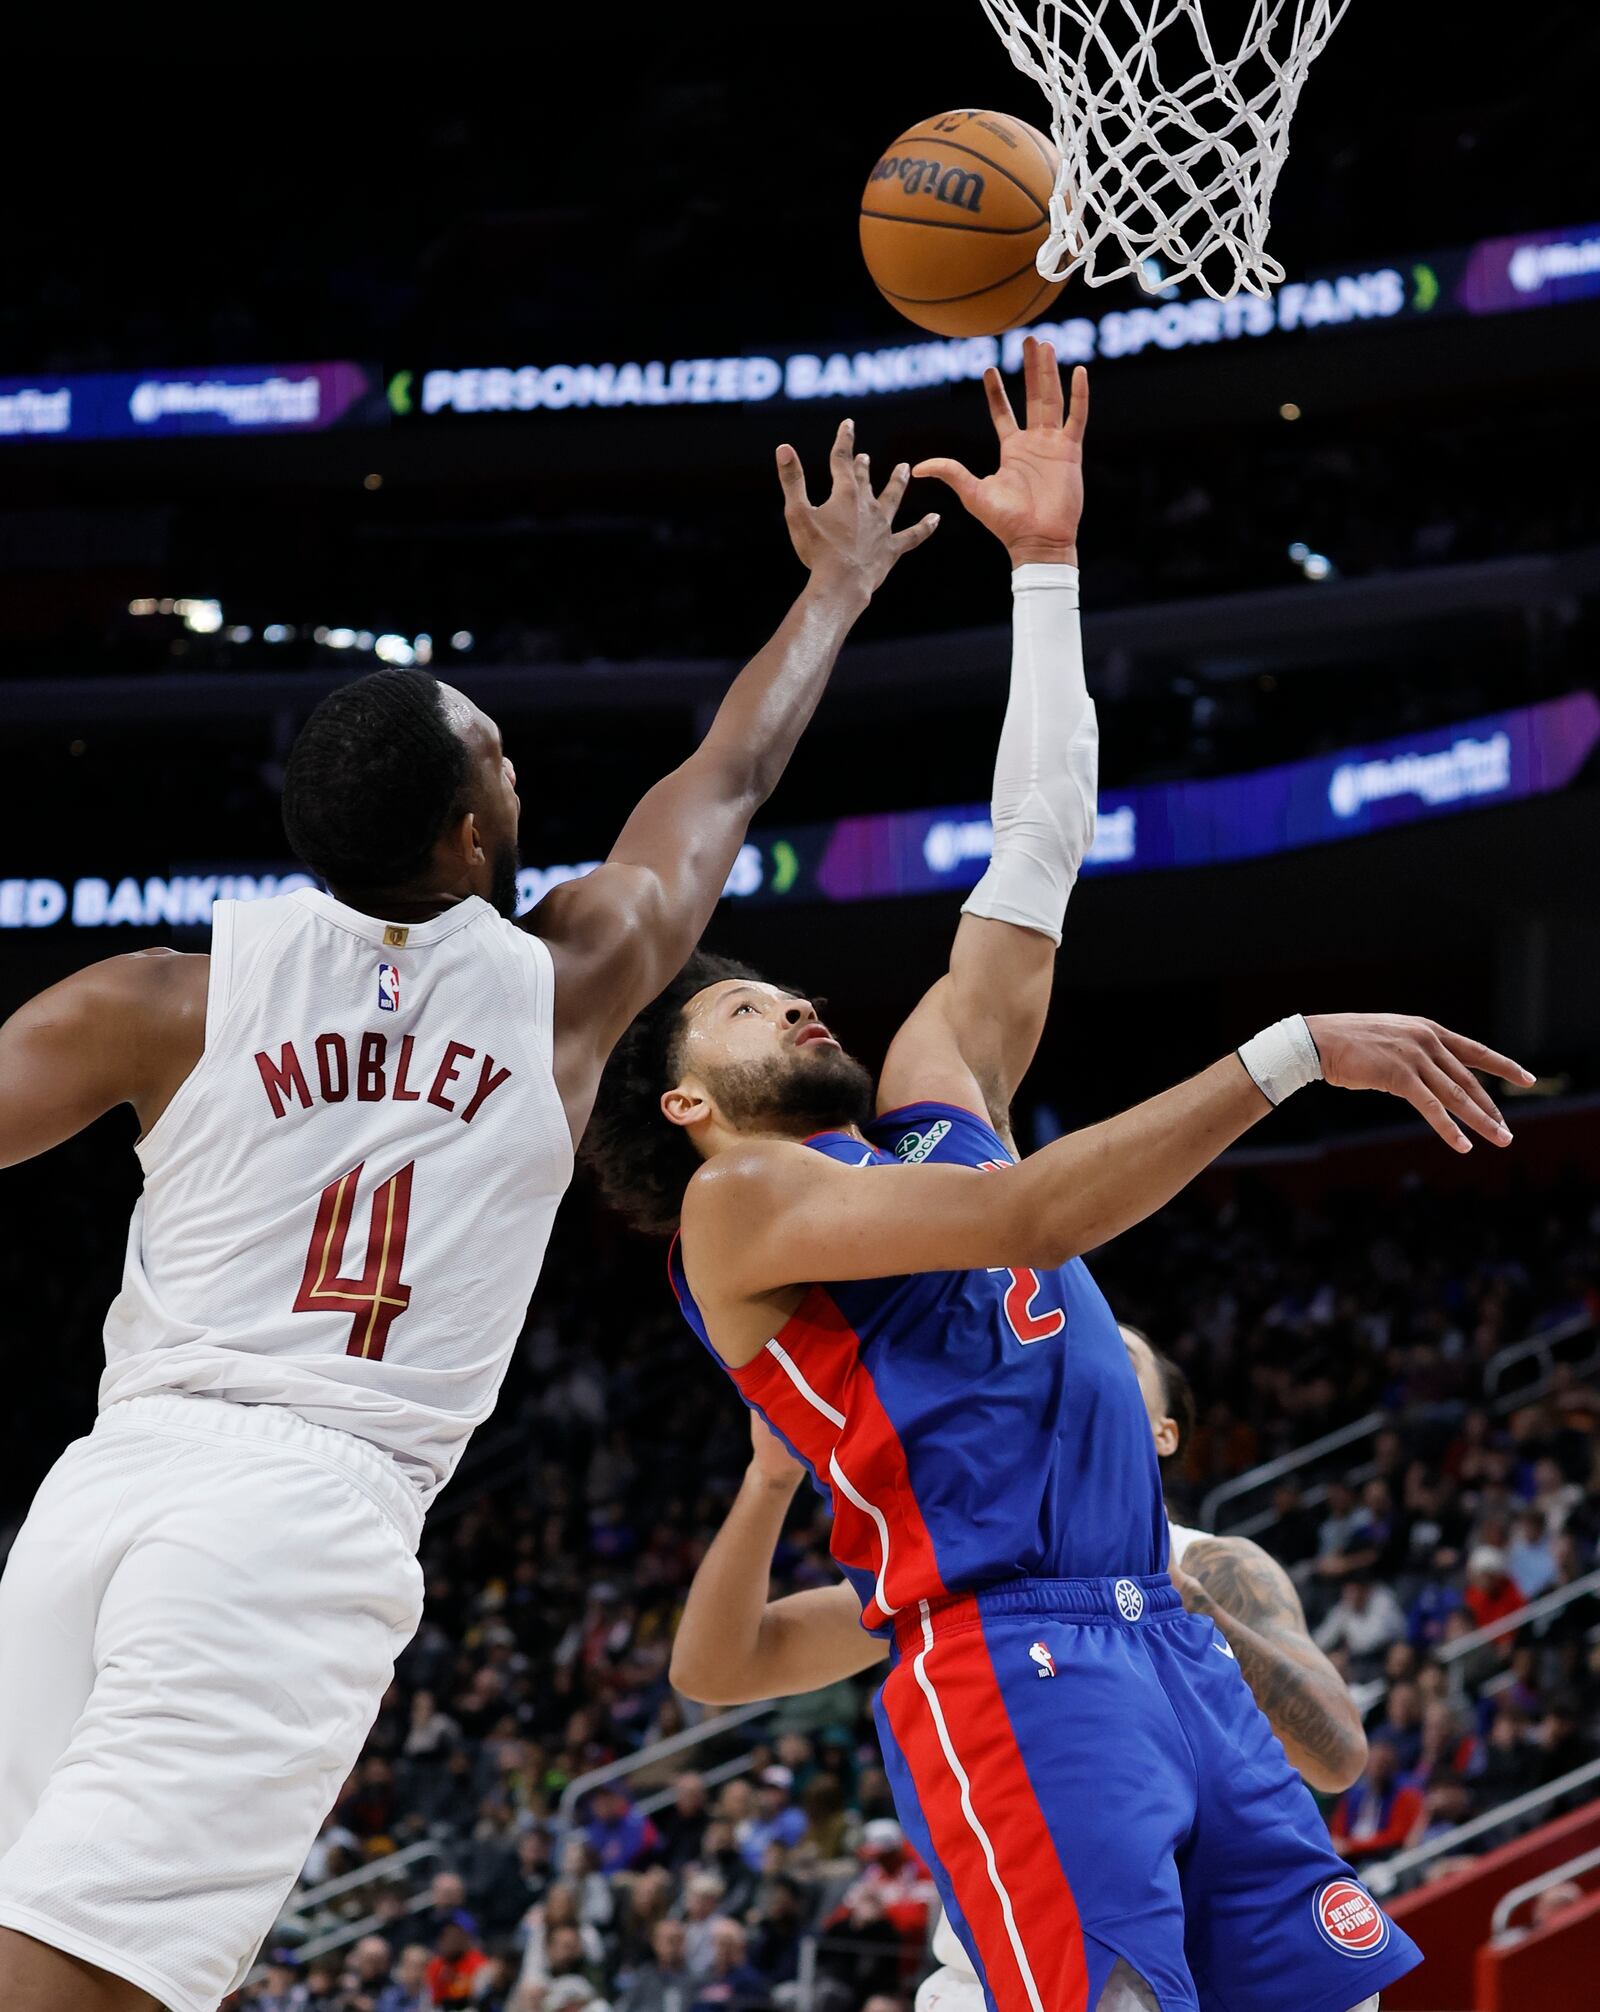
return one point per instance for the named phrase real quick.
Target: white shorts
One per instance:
(198, 1622)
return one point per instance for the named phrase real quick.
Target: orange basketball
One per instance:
(952, 217)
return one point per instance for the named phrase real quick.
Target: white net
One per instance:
(1151, 170)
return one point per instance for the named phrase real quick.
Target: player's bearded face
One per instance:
(817, 1089)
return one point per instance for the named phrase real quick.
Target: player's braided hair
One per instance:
(374, 776)
(642, 1163)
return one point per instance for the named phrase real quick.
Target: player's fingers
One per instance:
(793, 478)
(951, 473)
(915, 534)
(894, 489)
(1464, 1107)
(1462, 1076)
(839, 455)
(1421, 1098)
(1044, 384)
(1078, 410)
(863, 467)
(1489, 1060)
(994, 389)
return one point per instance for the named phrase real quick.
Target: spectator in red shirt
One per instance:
(895, 1877)
(1491, 1591)
(1376, 1816)
(460, 1973)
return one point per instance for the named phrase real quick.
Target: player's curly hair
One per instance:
(374, 776)
(641, 1162)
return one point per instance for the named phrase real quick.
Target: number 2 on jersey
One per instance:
(1025, 1324)
(378, 1297)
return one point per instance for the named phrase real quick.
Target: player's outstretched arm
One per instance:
(126, 1031)
(734, 1644)
(770, 1215)
(1252, 1601)
(621, 932)
(973, 1036)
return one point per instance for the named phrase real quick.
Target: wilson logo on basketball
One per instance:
(1349, 1918)
(962, 187)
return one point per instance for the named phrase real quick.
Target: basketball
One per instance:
(952, 218)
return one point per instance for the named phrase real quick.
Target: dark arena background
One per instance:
(298, 381)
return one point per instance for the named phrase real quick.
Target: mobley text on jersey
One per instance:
(375, 1076)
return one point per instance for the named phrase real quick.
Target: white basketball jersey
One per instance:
(1179, 1539)
(347, 1202)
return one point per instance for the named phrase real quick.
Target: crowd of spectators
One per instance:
(552, 1597)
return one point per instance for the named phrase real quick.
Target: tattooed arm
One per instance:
(1252, 1600)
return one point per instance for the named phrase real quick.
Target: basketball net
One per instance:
(1178, 173)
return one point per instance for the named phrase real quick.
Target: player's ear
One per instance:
(685, 1104)
(463, 841)
(1166, 1438)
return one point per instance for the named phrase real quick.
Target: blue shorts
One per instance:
(1082, 1765)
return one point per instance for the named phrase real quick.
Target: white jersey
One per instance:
(1179, 1539)
(347, 1203)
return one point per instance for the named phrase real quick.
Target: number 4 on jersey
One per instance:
(1025, 1324)
(377, 1298)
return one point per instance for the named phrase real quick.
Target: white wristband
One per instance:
(1282, 1058)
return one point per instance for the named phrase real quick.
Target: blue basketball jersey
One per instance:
(970, 1428)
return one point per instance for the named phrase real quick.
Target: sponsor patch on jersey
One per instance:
(1349, 1919)
(917, 1146)
(388, 988)
(1042, 1656)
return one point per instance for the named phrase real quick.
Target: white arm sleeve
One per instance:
(1047, 769)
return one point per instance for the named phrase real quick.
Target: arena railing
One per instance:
(660, 1750)
(1500, 1928)
(1270, 1472)
(1540, 1347)
(1452, 1655)
(1391, 1874)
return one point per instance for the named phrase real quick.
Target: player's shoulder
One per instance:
(929, 1130)
(157, 977)
(747, 1177)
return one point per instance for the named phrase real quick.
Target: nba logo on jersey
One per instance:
(1042, 1656)
(388, 988)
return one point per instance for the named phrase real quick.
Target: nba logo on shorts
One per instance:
(1349, 1919)
(1042, 1656)
(388, 988)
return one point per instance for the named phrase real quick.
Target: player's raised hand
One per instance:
(1034, 499)
(1421, 1061)
(852, 533)
(770, 1458)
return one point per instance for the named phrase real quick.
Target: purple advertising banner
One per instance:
(1498, 759)
(125, 405)
(1539, 269)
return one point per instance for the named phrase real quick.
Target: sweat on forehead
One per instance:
(704, 1000)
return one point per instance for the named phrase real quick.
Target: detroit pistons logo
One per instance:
(1349, 1919)
(1130, 1601)
(1045, 1661)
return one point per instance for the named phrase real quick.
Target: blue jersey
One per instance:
(971, 1428)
